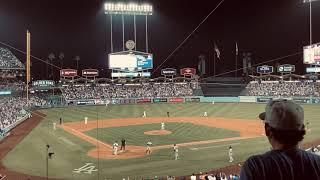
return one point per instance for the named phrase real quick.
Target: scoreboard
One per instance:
(311, 54)
(132, 62)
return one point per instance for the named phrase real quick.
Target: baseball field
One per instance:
(84, 151)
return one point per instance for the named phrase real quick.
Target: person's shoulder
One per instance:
(310, 155)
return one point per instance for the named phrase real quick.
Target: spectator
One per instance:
(285, 129)
(285, 88)
(193, 177)
(8, 60)
(146, 90)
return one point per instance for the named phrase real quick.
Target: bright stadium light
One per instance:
(128, 9)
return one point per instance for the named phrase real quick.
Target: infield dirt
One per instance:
(247, 128)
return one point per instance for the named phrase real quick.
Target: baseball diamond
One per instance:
(204, 140)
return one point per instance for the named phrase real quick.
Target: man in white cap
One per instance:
(284, 129)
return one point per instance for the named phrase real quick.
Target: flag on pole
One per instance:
(216, 49)
(237, 50)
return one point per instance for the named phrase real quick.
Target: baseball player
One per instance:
(230, 154)
(144, 114)
(162, 126)
(54, 125)
(149, 144)
(115, 148)
(205, 114)
(85, 120)
(176, 152)
(60, 120)
(168, 114)
(123, 144)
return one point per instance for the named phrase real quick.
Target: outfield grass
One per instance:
(70, 152)
(181, 133)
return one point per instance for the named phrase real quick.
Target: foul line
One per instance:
(208, 147)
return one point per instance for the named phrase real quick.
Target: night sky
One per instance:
(269, 29)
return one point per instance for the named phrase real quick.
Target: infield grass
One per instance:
(71, 152)
(181, 133)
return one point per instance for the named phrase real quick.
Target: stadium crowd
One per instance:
(12, 109)
(8, 60)
(285, 88)
(128, 91)
(6, 84)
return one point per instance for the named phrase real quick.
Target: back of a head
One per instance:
(284, 122)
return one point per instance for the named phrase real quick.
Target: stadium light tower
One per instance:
(131, 9)
(310, 17)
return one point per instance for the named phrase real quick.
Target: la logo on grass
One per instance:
(88, 168)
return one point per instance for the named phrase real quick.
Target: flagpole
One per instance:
(237, 51)
(236, 64)
(214, 64)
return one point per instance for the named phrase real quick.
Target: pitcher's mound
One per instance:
(157, 132)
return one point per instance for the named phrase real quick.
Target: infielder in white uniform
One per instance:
(54, 125)
(162, 126)
(115, 148)
(144, 114)
(85, 120)
(149, 144)
(176, 152)
(230, 154)
(205, 114)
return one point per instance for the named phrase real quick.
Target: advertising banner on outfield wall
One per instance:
(316, 100)
(114, 101)
(264, 99)
(248, 99)
(140, 101)
(176, 100)
(127, 101)
(86, 102)
(302, 100)
(160, 100)
(192, 99)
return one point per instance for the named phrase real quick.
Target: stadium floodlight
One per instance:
(310, 17)
(128, 9)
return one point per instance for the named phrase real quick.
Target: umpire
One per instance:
(123, 144)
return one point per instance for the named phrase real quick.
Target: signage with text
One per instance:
(176, 100)
(90, 72)
(68, 73)
(265, 69)
(286, 68)
(188, 71)
(43, 83)
(168, 72)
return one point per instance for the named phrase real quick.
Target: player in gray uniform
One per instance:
(176, 152)
(149, 144)
(230, 154)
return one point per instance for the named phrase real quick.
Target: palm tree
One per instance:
(61, 57)
(51, 57)
(77, 58)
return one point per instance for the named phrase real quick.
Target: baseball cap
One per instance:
(283, 114)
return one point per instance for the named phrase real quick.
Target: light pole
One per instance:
(310, 18)
(128, 9)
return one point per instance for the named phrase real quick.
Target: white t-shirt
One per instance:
(193, 177)
(230, 152)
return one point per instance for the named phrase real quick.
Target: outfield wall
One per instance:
(240, 99)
